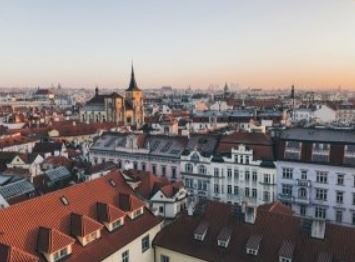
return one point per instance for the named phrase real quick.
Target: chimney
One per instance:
(250, 215)
(318, 229)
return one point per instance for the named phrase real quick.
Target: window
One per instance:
(202, 170)
(302, 193)
(145, 243)
(188, 168)
(287, 173)
(164, 258)
(340, 197)
(173, 172)
(163, 170)
(304, 174)
(287, 189)
(321, 194)
(236, 190)
(60, 254)
(340, 179)
(229, 172)
(229, 189)
(320, 212)
(125, 256)
(216, 171)
(303, 210)
(117, 224)
(339, 216)
(254, 193)
(247, 192)
(266, 196)
(189, 183)
(236, 174)
(267, 179)
(254, 176)
(322, 177)
(216, 188)
(247, 175)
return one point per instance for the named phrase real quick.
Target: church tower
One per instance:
(134, 97)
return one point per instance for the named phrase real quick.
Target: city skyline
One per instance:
(262, 45)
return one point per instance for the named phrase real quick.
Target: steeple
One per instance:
(133, 84)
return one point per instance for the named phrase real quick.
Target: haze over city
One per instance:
(261, 44)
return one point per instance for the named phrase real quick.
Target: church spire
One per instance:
(133, 84)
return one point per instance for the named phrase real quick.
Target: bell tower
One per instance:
(134, 97)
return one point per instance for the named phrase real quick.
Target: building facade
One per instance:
(316, 173)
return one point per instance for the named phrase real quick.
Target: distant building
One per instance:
(115, 108)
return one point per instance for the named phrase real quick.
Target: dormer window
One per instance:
(224, 237)
(349, 154)
(60, 254)
(201, 231)
(253, 245)
(286, 251)
(118, 223)
(320, 152)
(293, 150)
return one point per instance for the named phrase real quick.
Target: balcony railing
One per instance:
(304, 182)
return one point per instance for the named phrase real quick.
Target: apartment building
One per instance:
(316, 173)
(237, 168)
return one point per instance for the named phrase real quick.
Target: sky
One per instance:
(181, 43)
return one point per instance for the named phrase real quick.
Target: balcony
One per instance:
(304, 182)
(285, 197)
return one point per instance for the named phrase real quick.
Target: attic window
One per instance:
(64, 200)
(201, 231)
(253, 245)
(112, 183)
(224, 237)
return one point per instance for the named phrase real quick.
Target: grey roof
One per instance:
(320, 135)
(166, 145)
(58, 173)
(17, 188)
(287, 249)
(254, 242)
(205, 144)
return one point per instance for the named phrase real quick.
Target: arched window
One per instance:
(202, 170)
(189, 168)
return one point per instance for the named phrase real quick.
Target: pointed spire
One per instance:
(133, 84)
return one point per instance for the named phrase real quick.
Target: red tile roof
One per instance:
(49, 211)
(13, 254)
(50, 240)
(82, 225)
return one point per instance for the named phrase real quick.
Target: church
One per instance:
(127, 110)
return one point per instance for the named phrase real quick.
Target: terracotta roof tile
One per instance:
(82, 225)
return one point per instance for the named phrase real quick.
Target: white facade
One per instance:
(315, 190)
(168, 207)
(238, 179)
(134, 250)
